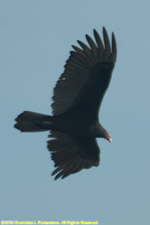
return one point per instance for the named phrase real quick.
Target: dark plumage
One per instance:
(77, 98)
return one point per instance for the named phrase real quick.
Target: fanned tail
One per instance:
(33, 122)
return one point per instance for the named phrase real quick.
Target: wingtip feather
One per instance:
(106, 40)
(114, 47)
(98, 39)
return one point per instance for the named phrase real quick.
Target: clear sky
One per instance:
(35, 40)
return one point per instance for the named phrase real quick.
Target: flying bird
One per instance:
(77, 98)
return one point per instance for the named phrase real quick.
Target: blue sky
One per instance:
(35, 40)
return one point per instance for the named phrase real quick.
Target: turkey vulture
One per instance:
(77, 98)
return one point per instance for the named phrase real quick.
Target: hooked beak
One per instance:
(110, 139)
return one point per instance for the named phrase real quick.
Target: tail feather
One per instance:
(33, 122)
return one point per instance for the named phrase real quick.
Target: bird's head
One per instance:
(106, 135)
(102, 132)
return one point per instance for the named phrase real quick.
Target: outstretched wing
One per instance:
(72, 154)
(86, 77)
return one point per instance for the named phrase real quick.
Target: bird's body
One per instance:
(77, 98)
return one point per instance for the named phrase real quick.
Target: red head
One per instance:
(107, 136)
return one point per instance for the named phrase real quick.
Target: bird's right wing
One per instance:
(86, 76)
(72, 154)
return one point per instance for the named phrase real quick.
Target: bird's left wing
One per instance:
(72, 154)
(86, 76)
